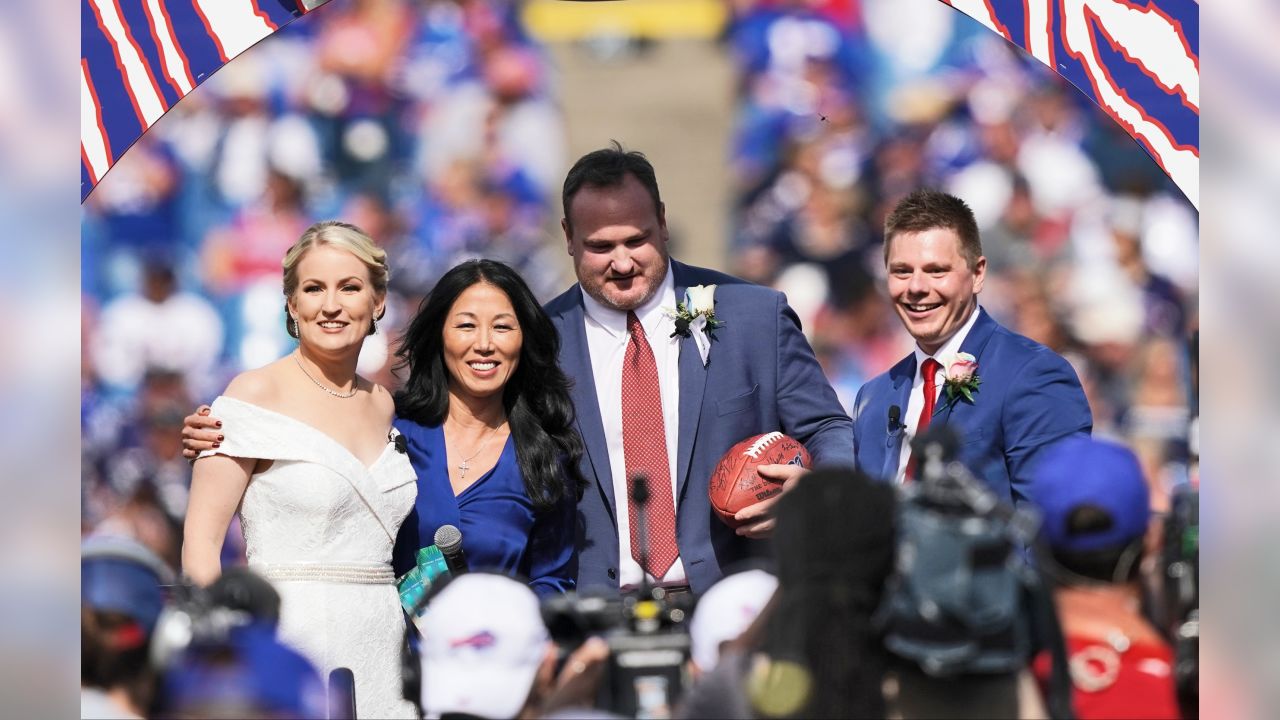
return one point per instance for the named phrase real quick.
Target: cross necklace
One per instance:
(464, 466)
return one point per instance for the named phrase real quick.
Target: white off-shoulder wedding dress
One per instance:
(320, 526)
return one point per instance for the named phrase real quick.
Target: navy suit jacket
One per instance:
(761, 376)
(1029, 398)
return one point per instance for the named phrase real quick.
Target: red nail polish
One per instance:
(217, 444)
(218, 424)
(221, 438)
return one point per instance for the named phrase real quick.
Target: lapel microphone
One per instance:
(895, 418)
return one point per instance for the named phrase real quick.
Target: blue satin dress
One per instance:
(501, 530)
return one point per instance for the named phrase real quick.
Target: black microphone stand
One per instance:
(640, 497)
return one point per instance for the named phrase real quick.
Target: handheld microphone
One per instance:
(449, 539)
(895, 417)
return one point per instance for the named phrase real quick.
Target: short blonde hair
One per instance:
(340, 235)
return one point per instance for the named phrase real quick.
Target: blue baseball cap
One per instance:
(251, 673)
(119, 574)
(1080, 471)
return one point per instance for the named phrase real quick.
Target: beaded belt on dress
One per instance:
(357, 573)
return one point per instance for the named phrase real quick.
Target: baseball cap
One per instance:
(1080, 471)
(250, 674)
(483, 639)
(725, 611)
(119, 574)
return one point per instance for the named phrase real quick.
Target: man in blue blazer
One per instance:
(754, 373)
(1028, 396)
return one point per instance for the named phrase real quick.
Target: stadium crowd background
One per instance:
(436, 126)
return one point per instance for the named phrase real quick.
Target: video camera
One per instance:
(196, 616)
(648, 646)
(966, 599)
(1180, 561)
(645, 630)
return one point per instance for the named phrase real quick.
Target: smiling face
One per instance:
(335, 301)
(618, 243)
(482, 341)
(933, 289)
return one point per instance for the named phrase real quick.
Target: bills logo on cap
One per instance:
(482, 640)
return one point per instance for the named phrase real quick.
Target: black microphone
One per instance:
(342, 694)
(449, 540)
(640, 498)
(895, 417)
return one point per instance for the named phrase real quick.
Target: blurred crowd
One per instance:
(433, 125)
(845, 106)
(429, 123)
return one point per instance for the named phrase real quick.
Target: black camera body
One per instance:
(1180, 560)
(648, 646)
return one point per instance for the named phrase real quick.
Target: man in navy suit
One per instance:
(1028, 396)
(665, 399)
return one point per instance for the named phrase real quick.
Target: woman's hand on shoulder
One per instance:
(202, 431)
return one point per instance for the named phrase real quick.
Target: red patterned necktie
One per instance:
(929, 370)
(644, 450)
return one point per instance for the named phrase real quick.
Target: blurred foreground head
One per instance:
(247, 674)
(483, 642)
(725, 611)
(120, 602)
(1096, 507)
(835, 544)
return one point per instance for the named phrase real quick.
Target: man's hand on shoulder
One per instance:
(758, 519)
(200, 431)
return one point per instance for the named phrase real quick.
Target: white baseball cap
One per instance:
(725, 611)
(483, 640)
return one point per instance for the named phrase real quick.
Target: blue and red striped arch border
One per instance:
(1139, 60)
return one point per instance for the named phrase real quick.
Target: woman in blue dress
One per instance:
(489, 428)
(489, 425)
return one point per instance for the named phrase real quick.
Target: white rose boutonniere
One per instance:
(962, 379)
(696, 316)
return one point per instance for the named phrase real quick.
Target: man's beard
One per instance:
(596, 290)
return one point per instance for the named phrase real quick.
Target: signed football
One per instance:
(735, 484)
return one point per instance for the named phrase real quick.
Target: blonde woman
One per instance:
(310, 462)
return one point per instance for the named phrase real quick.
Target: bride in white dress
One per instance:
(311, 464)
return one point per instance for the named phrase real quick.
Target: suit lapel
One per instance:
(974, 343)
(575, 360)
(901, 375)
(693, 384)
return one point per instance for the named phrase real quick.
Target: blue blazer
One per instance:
(761, 376)
(1029, 398)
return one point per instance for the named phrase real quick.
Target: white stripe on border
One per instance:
(1183, 165)
(174, 65)
(91, 138)
(234, 23)
(137, 82)
(1039, 33)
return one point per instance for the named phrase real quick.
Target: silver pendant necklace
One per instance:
(354, 386)
(464, 466)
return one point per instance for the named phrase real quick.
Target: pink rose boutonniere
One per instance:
(962, 379)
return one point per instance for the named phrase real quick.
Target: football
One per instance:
(735, 484)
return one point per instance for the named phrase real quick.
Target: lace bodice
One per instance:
(321, 526)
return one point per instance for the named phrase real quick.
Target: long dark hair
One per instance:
(835, 546)
(536, 396)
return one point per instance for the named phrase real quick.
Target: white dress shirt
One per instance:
(607, 340)
(916, 401)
